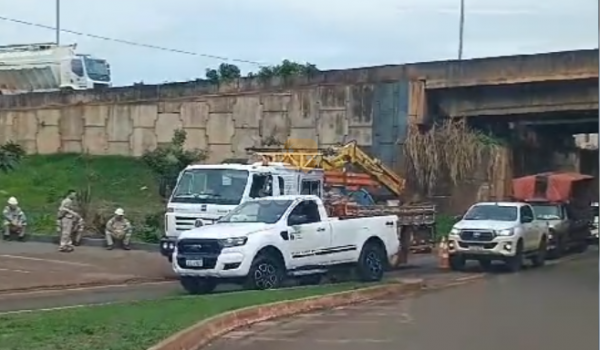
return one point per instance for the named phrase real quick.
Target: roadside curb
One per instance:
(92, 242)
(202, 333)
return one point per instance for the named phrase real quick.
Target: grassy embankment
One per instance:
(41, 181)
(133, 326)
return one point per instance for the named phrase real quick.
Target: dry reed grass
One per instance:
(449, 150)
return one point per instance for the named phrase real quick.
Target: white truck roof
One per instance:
(290, 198)
(503, 204)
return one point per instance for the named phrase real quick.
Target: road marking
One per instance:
(14, 270)
(20, 257)
(83, 289)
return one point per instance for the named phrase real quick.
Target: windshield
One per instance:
(491, 212)
(265, 211)
(547, 212)
(211, 186)
(97, 69)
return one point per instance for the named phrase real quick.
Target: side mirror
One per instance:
(526, 219)
(457, 217)
(294, 220)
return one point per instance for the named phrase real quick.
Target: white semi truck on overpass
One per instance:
(50, 67)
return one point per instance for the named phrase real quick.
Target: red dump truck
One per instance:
(564, 201)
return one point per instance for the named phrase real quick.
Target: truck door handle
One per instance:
(389, 223)
(320, 229)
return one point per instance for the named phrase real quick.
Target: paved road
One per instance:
(46, 299)
(553, 308)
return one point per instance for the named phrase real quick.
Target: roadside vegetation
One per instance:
(134, 326)
(104, 183)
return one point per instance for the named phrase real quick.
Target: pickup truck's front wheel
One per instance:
(371, 263)
(266, 272)
(198, 285)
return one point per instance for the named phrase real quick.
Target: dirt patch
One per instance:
(32, 266)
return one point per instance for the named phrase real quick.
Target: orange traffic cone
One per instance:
(443, 256)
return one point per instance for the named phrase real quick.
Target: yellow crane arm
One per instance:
(336, 158)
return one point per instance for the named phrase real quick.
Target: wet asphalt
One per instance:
(550, 308)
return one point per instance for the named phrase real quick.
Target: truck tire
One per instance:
(371, 263)
(539, 258)
(457, 262)
(266, 272)
(515, 263)
(198, 285)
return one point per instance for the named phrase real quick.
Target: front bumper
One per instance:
(499, 247)
(230, 263)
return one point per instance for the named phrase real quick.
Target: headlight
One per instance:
(233, 242)
(508, 232)
(454, 231)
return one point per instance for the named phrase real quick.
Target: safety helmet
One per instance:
(119, 212)
(13, 201)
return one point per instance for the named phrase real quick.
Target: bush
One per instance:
(11, 155)
(167, 161)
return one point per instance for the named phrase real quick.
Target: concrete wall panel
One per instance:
(6, 127)
(96, 115)
(218, 153)
(275, 126)
(142, 140)
(247, 112)
(332, 127)
(220, 128)
(48, 140)
(95, 140)
(49, 117)
(119, 125)
(71, 124)
(143, 116)
(165, 126)
(304, 108)
(194, 114)
(244, 138)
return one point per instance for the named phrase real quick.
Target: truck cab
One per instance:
(504, 231)
(205, 193)
(265, 240)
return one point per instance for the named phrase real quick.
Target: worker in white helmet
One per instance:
(118, 228)
(15, 220)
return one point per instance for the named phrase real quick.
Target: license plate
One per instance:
(194, 263)
(476, 247)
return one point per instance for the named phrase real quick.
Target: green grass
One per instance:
(133, 326)
(41, 181)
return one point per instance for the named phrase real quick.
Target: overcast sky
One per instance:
(329, 33)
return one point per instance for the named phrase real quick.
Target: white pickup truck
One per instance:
(505, 231)
(263, 241)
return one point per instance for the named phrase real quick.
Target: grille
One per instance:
(184, 223)
(477, 236)
(199, 246)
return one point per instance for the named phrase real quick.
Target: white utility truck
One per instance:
(49, 67)
(265, 240)
(505, 231)
(205, 193)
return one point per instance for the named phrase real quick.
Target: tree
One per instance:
(225, 73)
(229, 72)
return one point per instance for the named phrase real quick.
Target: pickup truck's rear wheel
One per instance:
(198, 285)
(515, 262)
(266, 272)
(371, 263)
